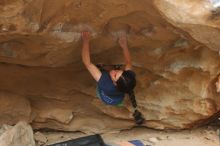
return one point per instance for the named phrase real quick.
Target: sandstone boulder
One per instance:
(43, 78)
(19, 135)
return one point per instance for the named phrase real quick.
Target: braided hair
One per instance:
(126, 84)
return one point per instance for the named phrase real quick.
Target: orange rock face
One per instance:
(44, 82)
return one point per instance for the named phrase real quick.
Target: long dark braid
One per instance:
(137, 114)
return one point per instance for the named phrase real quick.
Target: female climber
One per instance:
(114, 84)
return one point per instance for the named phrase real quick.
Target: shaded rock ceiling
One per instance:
(174, 47)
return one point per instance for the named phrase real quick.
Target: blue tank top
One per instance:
(108, 91)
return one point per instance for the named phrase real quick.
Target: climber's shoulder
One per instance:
(94, 71)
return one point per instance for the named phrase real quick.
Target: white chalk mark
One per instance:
(74, 34)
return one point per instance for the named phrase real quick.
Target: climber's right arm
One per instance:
(127, 57)
(217, 84)
(94, 71)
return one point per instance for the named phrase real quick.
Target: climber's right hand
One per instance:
(85, 36)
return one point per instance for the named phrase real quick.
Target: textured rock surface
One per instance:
(41, 67)
(19, 135)
(200, 18)
(14, 107)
